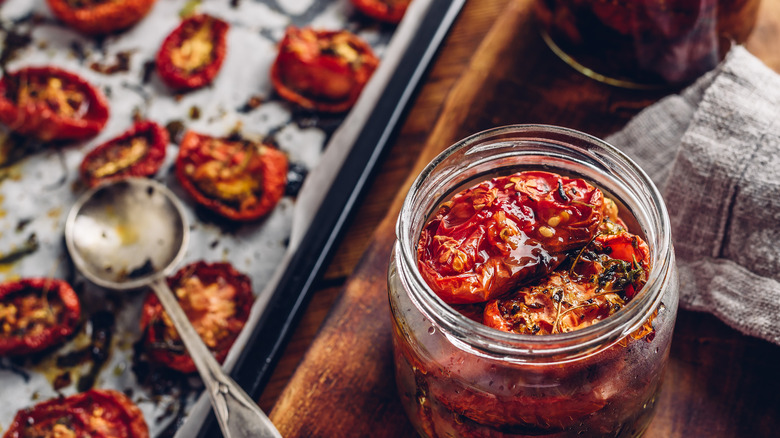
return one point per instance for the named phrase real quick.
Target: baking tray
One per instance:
(283, 254)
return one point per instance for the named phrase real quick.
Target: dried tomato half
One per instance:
(322, 70)
(391, 11)
(98, 17)
(238, 179)
(96, 413)
(51, 104)
(603, 276)
(217, 300)
(138, 152)
(503, 232)
(191, 56)
(35, 314)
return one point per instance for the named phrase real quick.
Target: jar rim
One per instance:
(486, 340)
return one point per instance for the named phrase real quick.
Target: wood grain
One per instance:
(718, 382)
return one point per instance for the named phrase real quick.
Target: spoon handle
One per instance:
(238, 415)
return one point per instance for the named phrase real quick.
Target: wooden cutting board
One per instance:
(718, 382)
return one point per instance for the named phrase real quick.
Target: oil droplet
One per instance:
(656, 350)
(661, 307)
(431, 330)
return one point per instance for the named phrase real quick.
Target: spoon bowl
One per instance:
(125, 234)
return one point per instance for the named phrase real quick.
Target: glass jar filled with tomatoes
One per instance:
(533, 289)
(638, 43)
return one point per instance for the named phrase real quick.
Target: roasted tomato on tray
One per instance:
(35, 314)
(238, 179)
(391, 11)
(190, 57)
(97, 17)
(322, 70)
(138, 152)
(97, 413)
(51, 104)
(217, 300)
(500, 233)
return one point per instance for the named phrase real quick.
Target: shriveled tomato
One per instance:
(96, 413)
(668, 19)
(602, 278)
(216, 299)
(238, 179)
(391, 11)
(35, 314)
(51, 104)
(98, 17)
(511, 229)
(138, 152)
(322, 70)
(191, 56)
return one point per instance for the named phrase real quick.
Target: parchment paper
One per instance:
(37, 192)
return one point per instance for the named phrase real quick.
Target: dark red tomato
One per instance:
(191, 56)
(322, 70)
(96, 413)
(35, 314)
(496, 235)
(237, 179)
(138, 152)
(391, 11)
(51, 104)
(98, 17)
(217, 300)
(601, 279)
(481, 413)
(668, 19)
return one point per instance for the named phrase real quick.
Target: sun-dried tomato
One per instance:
(601, 278)
(238, 179)
(138, 152)
(51, 104)
(190, 57)
(35, 314)
(668, 19)
(97, 413)
(391, 11)
(217, 300)
(98, 17)
(506, 231)
(322, 70)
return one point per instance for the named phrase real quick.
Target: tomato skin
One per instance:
(37, 119)
(148, 165)
(49, 335)
(390, 11)
(605, 275)
(506, 231)
(102, 18)
(95, 413)
(152, 323)
(184, 79)
(310, 71)
(268, 166)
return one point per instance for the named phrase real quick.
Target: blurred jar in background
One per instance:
(644, 43)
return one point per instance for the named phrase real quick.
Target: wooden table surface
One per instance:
(335, 377)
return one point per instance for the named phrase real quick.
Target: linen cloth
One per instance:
(714, 152)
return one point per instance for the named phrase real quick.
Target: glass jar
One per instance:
(459, 378)
(644, 43)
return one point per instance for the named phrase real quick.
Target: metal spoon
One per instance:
(132, 233)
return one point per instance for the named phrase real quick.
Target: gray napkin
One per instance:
(714, 152)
